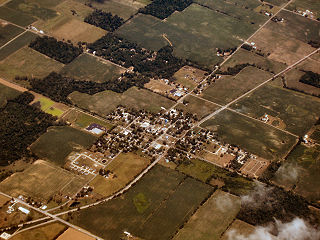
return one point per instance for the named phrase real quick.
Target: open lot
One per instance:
(28, 62)
(7, 32)
(89, 68)
(194, 33)
(236, 228)
(41, 181)
(16, 44)
(300, 172)
(58, 142)
(46, 232)
(253, 136)
(297, 111)
(303, 5)
(125, 167)
(132, 98)
(212, 218)
(198, 106)
(228, 88)
(153, 209)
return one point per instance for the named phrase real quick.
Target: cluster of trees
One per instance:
(152, 64)
(234, 70)
(104, 20)
(164, 8)
(21, 124)
(311, 78)
(265, 205)
(58, 50)
(58, 87)
(314, 43)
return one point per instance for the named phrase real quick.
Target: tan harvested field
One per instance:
(3, 200)
(255, 167)
(125, 167)
(158, 86)
(189, 77)
(41, 181)
(46, 232)
(71, 234)
(281, 47)
(238, 229)
(212, 218)
(220, 160)
(310, 65)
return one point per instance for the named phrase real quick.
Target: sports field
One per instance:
(41, 181)
(252, 135)
(28, 62)
(132, 98)
(212, 218)
(89, 68)
(228, 88)
(153, 209)
(58, 142)
(298, 112)
(125, 166)
(8, 32)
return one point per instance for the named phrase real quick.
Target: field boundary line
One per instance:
(12, 39)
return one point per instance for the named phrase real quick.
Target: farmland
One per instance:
(89, 68)
(302, 5)
(41, 181)
(238, 227)
(300, 172)
(71, 233)
(16, 17)
(125, 167)
(276, 102)
(132, 98)
(154, 208)
(28, 62)
(212, 218)
(251, 135)
(58, 142)
(228, 88)
(7, 32)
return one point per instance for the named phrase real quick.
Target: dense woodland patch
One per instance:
(164, 8)
(311, 78)
(21, 124)
(58, 50)
(104, 20)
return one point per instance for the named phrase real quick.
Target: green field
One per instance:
(7, 93)
(228, 88)
(194, 33)
(153, 209)
(89, 68)
(41, 181)
(302, 5)
(104, 102)
(300, 172)
(277, 2)
(254, 136)
(236, 11)
(298, 112)
(212, 218)
(58, 142)
(16, 44)
(198, 106)
(252, 4)
(7, 32)
(16, 17)
(243, 56)
(28, 62)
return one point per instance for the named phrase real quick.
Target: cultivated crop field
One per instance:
(7, 32)
(41, 181)
(228, 88)
(125, 166)
(28, 62)
(236, 228)
(300, 172)
(298, 112)
(153, 209)
(302, 5)
(88, 68)
(58, 142)
(212, 218)
(16, 17)
(251, 135)
(71, 233)
(104, 102)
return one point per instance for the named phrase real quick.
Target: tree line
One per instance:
(58, 50)
(104, 20)
(21, 124)
(311, 78)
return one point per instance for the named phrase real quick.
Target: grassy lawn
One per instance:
(88, 68)
(153, 209)
(58, 142)
(126, 166)
(212, 218)
(253, 136)
(298, 112)
(7, 32)
(104, 102)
